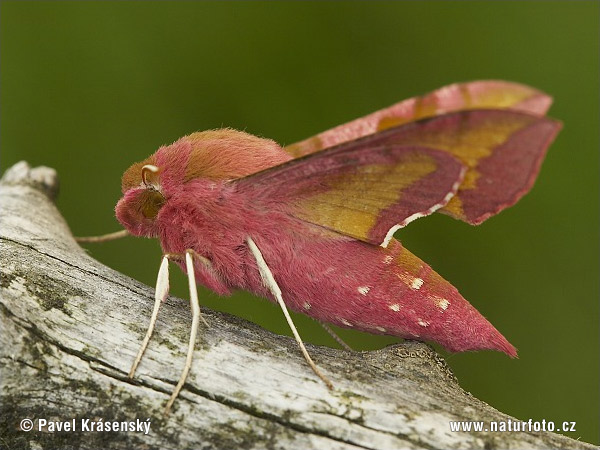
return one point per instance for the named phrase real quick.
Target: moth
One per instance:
(310, 225)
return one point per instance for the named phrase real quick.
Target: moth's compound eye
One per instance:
(150, 175)
(151, 202)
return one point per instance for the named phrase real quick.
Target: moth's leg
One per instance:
(196, 316)
(104, 237)
(160, 294)
(336, 337)
(271, 284)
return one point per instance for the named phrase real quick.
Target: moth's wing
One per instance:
(455, 97)
(369, 187)
(502, 149)
(361, 189)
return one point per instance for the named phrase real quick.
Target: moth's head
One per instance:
(208, 156)
(141, 202)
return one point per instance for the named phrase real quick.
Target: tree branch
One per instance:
(71, 328)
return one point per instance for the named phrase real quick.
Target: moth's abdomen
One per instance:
(384, 291)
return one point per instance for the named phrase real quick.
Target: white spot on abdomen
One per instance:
(345, 322)
(383, 330)
(306, 305)
(416, 283)
(394, 307)
(423, 323)
(388, 259)
(441, 303)
(411, 281)
(364, 290)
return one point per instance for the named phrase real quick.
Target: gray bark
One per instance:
(71, 328)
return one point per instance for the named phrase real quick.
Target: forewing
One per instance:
(502, 149)
(455, 97)
(362, 189)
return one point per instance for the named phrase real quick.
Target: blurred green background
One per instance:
(89, 88)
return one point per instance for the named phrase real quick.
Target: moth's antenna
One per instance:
(103, 237)
(145, 172)
(271, 284)
(160, 294)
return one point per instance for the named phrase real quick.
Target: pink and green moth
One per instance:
(310, 225)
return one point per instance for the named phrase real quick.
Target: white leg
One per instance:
(271, 284)
(160, 294)
(206, 263)
(194, 332)
(335, 336)
(104, 237)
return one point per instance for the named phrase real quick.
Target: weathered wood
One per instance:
(71, 328)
